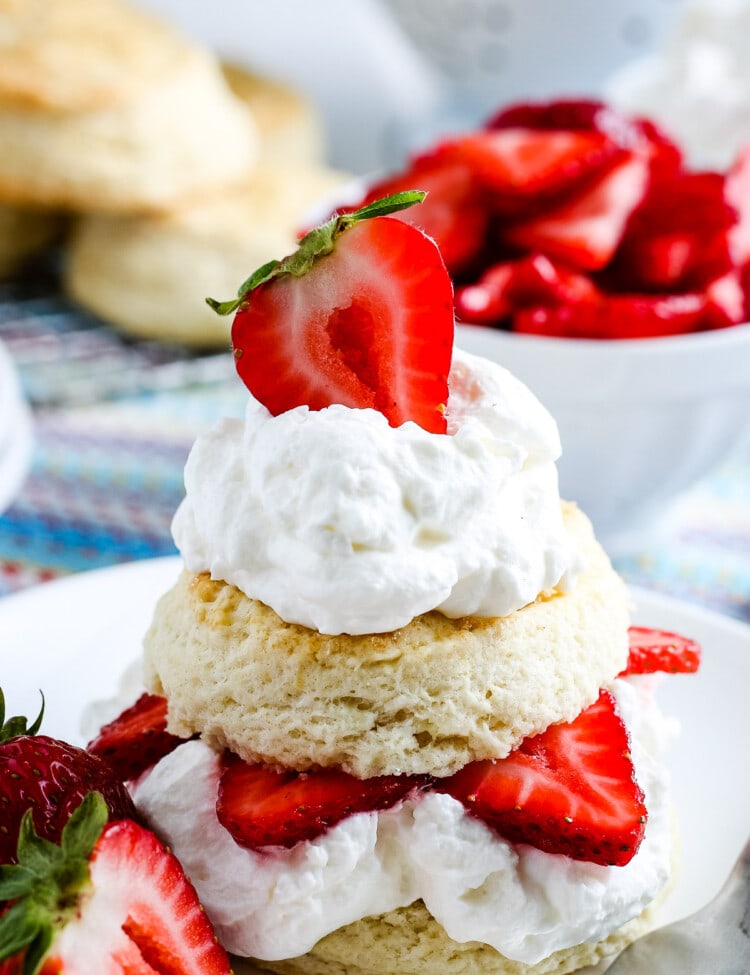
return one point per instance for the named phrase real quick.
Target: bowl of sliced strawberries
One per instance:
(591, 261)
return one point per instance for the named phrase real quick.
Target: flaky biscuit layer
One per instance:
(427, 698)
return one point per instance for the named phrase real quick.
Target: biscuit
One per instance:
(150, 275)
(427, 698)
(103, 108)
(409, 941)
(23, 233)
(289, 128)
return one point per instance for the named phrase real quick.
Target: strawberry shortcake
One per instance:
(393, 723)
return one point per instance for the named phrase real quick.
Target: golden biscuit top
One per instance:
(82, 55)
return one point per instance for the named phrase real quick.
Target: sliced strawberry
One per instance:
(659, 650)
(454, 213)
(509, 286)
(616, 317)
(137, 739)
(264, 807)
(665, 155)
(575, 115)
(726, 301)
(360, 315)
(588, 115)
(570, 790)
(490, 299)
(678, 238)
(737, 195)
(587, 230)
(523, 170)
(109, 900)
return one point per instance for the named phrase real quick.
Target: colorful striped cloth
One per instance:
(113, 430)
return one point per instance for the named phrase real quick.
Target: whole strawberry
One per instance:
(50, 778)
(108, 900)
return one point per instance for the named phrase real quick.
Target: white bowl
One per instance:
(640, 420)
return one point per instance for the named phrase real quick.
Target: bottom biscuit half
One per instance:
(409, 941)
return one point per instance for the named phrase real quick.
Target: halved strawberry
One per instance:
(569, 790)
(261, 806)
(137, 739)
(454, 212)
(587, 230)
(522, 170)
(659, 650)
(360, 315)
(508, 286)
(110, 899)
(610, 316)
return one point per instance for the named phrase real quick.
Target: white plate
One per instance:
(75, 637)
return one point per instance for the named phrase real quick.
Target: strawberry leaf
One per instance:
(47, 881)
(18, 928)
(316, 244)
(18, 725)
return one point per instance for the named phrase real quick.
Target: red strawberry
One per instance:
(137, 739)
(594, 116)
(616, 317)
(659, 650)
(726, 303)
(737, 195)
(587, 230)
(50, 778)
(109, 900)
(361, 315)
(678, 238)
(454, 213)
(509, 286)
(523, 170)
(569, 790)
(490, 299)
(264, 807)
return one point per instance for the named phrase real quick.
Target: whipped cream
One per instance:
(524, 902)
(342, 523)
(698, 85)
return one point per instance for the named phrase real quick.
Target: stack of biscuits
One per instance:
(165, 159)
(427, 698)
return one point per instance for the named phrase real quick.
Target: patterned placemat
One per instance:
(66, 356)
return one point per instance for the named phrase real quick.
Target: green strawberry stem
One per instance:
(315, 244)
(45, 886)
(13, 727)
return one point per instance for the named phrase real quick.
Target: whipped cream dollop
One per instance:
(697, 86)
(525, 903)
(344, 524)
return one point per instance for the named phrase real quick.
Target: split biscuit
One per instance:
(289, 129)
(427, 698)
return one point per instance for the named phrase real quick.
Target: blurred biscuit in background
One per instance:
(103, 108)
(23, 233)
(288, 126)
(150, 275)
